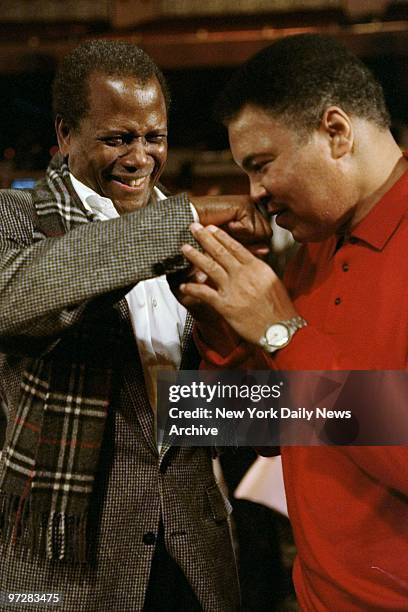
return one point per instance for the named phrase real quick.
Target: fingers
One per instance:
(221, 247)
(239, 213)
(201, 293)
(220, 209)
(263, 229)
(205, 265)
(195, 276)
(261, 251)
(251, 228)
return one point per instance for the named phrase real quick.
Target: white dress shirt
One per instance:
(157, 317)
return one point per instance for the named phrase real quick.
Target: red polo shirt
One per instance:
(348, 505)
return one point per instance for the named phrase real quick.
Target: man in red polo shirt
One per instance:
(308, 124)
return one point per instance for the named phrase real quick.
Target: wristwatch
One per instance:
(280, 334)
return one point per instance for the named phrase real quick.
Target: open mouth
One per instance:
(130, 182)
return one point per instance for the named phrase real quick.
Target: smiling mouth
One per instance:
(131, 182)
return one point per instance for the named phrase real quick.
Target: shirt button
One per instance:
(154, 302)
(149, 538)
(337, 301)
(346, 267)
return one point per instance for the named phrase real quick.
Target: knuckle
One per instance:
(212, 266)
(235, 247)
(219, 250)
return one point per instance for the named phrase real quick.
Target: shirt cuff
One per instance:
(235, 356)
(310, 349)
(195, 213)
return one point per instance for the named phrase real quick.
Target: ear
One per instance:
(63, 135)
(339, 128)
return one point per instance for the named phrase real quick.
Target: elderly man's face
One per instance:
(297, 178)
(120, 146)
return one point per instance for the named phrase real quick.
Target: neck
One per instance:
(380, 172)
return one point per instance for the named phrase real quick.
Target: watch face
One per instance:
(277, 335)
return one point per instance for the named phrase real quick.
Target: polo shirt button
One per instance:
(149, 538)
(346, 267)
(337, 301)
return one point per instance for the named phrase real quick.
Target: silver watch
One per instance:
(280, 334)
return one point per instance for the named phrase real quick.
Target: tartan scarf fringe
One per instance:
(54, 536)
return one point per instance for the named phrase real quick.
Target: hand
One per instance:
(199, 310)
(239, 216)
(245, 290)
(207, 320)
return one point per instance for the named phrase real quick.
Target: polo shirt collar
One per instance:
(383, 219)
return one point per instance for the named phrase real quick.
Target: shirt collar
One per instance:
(102, 207)
(383, 219)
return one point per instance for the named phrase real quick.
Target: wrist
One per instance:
(209, 211)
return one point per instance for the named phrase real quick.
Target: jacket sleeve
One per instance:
(45, 286)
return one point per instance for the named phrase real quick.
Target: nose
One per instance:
(135, 154)
(256, 189)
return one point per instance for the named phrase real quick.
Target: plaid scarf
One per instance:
(48, 467)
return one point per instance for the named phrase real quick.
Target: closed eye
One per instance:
(156, 138)
(260, 166)
(250, 165)
(127, 139)
(115, 141)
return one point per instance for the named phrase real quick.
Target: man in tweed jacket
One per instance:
(89, 508)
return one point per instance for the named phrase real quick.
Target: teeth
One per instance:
(136, 182)
(131, 182)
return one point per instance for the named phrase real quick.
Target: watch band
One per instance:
(295, 323)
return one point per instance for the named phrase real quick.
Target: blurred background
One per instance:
(197, 44)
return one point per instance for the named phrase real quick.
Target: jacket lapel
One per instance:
(190, 357)
(190, 360)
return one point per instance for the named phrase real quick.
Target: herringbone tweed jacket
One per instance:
(47, 285)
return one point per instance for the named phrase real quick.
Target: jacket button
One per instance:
(149, 538)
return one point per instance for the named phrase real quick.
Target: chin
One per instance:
(305, 235)
(129, 207)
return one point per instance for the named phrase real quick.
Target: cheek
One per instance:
(160, 161)
(101, 161)
(277, 180)
(162, 155)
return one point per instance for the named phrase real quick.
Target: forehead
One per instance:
(254, 131)
(125, 96)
